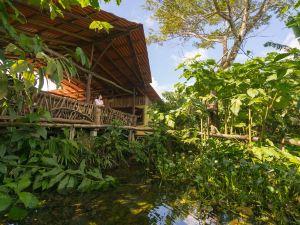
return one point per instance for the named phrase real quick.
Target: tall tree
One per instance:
(226, 22)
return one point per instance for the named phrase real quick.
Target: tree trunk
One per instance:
(232, 54)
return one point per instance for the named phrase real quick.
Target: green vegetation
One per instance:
(33, 160)
(256, 179)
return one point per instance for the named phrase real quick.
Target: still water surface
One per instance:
(138, 199)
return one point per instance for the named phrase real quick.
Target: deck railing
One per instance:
(73, 111)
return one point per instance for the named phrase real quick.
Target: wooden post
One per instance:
(72, 133)
(131, 132)
(88, 89)
(97, 120)
(89, 81)
(133, 105)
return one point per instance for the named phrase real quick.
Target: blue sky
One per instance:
(164, 59)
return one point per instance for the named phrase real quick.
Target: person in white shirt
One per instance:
(99, 101)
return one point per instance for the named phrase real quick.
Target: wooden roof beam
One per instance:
(120, 71)
(126, 63)
(88, 71)
(135, 57)
(89, 20)
(109, 73)
(43, 38)
(101, 55)
(42, 24)
(113, 35)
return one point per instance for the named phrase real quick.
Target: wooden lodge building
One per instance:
(120, 69)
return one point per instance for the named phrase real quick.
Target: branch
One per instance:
(201, 36)
(263, 8)
(245, 19)
(226, 17)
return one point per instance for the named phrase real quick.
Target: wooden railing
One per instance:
(64, 109)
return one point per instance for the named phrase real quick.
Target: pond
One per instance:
(139, 199)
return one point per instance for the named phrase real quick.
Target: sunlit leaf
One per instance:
(235, 106)
(28, 199)
(99, 25)
(252, 92)
(3, 85)
(272, 77)
(23, 183)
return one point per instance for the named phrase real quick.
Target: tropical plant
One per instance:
(26, 61)
(46, 163)
(263, 104)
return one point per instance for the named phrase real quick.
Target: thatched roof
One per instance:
(120, 55)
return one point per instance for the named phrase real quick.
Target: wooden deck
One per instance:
(67, 110)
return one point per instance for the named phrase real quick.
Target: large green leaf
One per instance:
(99, 25)
(52, 172)
(271, 77)
(2, 150)
(51, 71)
(63, 183)
(55, 11)
(23, 183)
(3, 168)
(252, 92)
(19, 66)
(37, 182)
(56, 179)
(236, 106)
(28, 199)
(49, 161)
(85, 185)
(16, 213)
(81, 56)
(71, 183)
(3, 85)
(5, 201)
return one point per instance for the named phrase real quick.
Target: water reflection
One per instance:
(137, 200)
(165, 214)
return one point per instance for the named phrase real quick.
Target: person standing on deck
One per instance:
(99, 101)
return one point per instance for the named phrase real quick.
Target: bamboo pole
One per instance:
(52, 120)
(66, 125)
(104, 126)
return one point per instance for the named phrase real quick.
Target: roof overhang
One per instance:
(119, 55)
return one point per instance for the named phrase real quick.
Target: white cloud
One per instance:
(160, 88)
(291, 41)
(189, 55)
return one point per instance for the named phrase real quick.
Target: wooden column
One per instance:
(133, 105)
(89, 80)
(97, 120)
(88, 88)
(131, 132)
